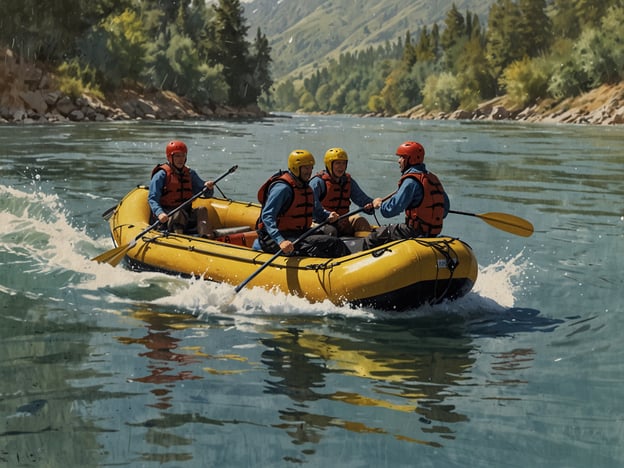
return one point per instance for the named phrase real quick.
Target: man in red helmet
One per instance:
(172, 184)
(420, 195)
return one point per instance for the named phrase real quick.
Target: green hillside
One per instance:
(303, 34)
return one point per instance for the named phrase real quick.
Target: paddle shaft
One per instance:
(465, 213)
(308, 233)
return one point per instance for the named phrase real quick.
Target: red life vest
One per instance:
(298, 215)
(178, 186)
(337, 195)
(427, 217)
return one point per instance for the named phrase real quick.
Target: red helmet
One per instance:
(175, 147)
(412, 151)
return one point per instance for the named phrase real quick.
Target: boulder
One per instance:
(34, 100)
(143, 108)
(462, 114)
(19, 115)
(65, 106)
(499, 113)
(76, 116)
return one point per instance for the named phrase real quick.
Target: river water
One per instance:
(101, 366)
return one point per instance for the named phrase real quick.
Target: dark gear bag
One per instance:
(389, 233)
(315, 245)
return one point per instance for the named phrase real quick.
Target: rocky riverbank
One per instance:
(28, 95)
(600, 106)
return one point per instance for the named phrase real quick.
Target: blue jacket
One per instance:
(410, 193)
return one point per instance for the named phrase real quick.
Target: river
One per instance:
(101, 366)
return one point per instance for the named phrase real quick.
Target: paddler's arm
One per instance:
(320, 214)
(199, 184)
(359, 197)
(279, 196)
(155, 192)
(409, 192)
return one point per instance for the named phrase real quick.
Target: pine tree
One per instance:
(475, 29)
(503, 41)
(455, 29)
(435, 38)
(424, 48)
(262, 80)
(535, 27)
(231, 50)
(453, 38)
(565, 22)
(409, 52)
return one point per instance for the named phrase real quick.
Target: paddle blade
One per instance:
(113, 256)
(508, 223)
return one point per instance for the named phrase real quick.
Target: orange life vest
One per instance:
(427, 217)
(298, 215)
(337, 195)
(178, 186)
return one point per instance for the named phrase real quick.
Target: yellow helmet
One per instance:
(299, 158)
(334, 154)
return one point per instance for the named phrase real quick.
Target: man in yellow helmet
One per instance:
(336, 189)
(289, 206)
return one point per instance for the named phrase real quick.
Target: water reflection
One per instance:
(411, 373)
(411, 380)
(42, 377)
(508, 322)
(404, 368)
(164, 361)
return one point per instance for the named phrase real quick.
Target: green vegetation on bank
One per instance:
(529, 50)
(195, 50)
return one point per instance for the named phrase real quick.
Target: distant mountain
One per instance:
(303, 34)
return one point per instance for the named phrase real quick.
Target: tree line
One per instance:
(195, 50)
(528, 49)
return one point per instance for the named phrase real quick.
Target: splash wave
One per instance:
(37, 234)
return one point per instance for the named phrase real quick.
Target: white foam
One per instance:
(36, 231)
(497, 281)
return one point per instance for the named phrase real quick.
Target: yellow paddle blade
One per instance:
(119, 257)
(508, 223)
(113, 256)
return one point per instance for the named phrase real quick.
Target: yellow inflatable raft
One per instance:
(396, 276)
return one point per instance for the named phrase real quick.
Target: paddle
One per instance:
(114, 256)
(109, 212)
(309, 232)
(504, 222)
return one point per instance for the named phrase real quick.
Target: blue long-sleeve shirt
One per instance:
(279, 196)
(157, 185)
(410, 193)
(357, 194)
